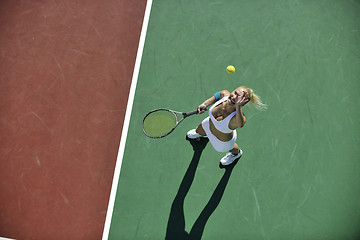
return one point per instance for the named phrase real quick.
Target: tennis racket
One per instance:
(160, 122)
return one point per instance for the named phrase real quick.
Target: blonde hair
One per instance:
(256, 100)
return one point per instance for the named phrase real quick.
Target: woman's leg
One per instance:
(200, 130)
(196, 133)
(230, 158)
(235, 150)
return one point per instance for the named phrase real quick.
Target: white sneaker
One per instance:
(192, 134)
(230, 158)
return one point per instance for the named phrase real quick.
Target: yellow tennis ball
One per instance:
(230, 69)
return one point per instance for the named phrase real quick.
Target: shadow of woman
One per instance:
(176, 223)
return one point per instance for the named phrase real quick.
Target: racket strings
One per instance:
(159, 123)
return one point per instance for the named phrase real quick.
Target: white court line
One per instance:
(126, 122)
(2, 238)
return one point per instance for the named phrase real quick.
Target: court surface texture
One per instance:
(298, 177)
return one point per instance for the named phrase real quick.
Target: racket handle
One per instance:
(192, 112)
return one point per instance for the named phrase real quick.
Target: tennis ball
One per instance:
(230, 69)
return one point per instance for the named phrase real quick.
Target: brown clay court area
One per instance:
(66, 69)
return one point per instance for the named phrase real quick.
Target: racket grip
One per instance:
(192, 112)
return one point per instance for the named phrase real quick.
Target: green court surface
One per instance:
(299, 175)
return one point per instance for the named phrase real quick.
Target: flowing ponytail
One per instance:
(256, 100)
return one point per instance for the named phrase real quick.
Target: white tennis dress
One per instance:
(222, 126)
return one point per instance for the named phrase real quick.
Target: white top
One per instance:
(222, 125)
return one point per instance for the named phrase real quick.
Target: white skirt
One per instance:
(218, 145)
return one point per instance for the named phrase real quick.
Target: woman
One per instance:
(224, 117)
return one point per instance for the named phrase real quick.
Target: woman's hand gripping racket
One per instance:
(161, 122)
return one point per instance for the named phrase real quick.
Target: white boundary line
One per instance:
(126, 122)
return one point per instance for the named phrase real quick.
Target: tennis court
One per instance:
(298, 177)
(70, 94)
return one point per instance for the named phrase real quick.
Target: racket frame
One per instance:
(177, 122)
